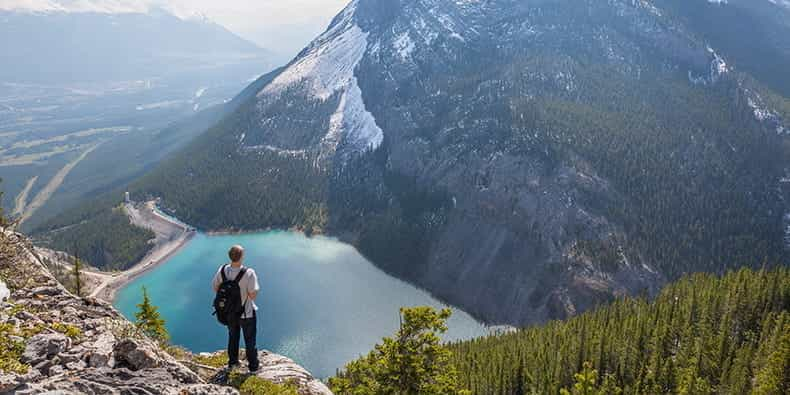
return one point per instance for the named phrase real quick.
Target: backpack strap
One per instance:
(222, 272)
(240, 275)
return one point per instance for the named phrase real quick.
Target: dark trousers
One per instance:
(248, 327)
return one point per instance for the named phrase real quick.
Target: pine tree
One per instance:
(413, 362)
(149, 321)
(702, 334)
(774, 377)
(76, 271)
(587, 383)
(3, 220)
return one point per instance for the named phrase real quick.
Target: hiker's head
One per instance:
(236, 253)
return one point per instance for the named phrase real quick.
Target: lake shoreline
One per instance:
(323, 303)
(128, 276)
(172, 236)
(110, 291)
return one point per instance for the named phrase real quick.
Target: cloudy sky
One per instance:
(284, 26)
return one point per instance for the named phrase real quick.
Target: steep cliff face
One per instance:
(522, 159)
(55, 341)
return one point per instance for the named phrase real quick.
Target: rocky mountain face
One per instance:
(524, 160)
(82, 345)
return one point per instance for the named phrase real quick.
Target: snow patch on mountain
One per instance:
(718, 67)
(763, 114)
(326, 68)
(328, 64)
(404, 45)
(361, 131)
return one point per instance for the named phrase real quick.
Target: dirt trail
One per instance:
(21, 200)
(43, 196)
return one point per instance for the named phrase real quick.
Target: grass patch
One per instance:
(219, 360)
(176, 352)
(67, 329)
(11, 351)
(254, 385)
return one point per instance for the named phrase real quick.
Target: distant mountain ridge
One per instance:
(524, 160)
(99, 7)
(98, 44)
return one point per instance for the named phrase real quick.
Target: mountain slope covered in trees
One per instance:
(524, 160)
(701, 335)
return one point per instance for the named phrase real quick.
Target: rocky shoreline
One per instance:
(83, 345)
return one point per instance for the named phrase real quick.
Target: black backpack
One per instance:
(227, 304)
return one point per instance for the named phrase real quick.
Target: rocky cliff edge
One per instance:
(52, 340)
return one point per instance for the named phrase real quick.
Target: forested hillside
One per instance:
(701, 335)
(522, 160)
(105, 239)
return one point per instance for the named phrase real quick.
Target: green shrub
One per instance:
(67, 329)
(11, 351)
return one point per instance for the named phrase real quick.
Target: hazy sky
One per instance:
(284, 26)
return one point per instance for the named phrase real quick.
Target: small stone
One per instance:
(26, 316)
(45, 291)
(55, 370)
(69, 357)
(43, 366)
(30, 376)
(76, 365)
(207, 389)
(9, 381)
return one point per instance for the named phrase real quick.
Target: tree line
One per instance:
(701, 335)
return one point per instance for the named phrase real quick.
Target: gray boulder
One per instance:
(101, 351)
(135, 354)
(5, 293)
(44, 346)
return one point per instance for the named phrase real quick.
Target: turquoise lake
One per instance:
(321, 302)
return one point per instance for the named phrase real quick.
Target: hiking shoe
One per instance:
(254, 371)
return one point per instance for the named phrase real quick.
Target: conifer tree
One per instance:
(76, 271)
(149, 321)
(2, 216)
(701, 335)
(413, 362)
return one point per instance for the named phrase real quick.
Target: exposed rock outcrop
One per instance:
(279, 370)
(83, 345)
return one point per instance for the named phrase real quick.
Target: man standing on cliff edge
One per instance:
(227, 277)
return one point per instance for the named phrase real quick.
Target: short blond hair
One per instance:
(235, 253)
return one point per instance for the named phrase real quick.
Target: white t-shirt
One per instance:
(247, 284)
